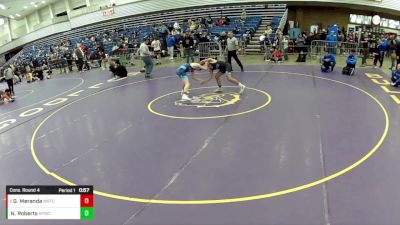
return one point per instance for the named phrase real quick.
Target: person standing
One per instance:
(68, 58)
(285, 45)
(379, 53)
(156, 45)
(392, 49)
(170, 46)
(232, 48)
(300, 43)
(188, 46)
(144, 53)
(365, 48)
(9, 77)
(103, 59)
(243, 16)
(79, 56)
(332, 42)
(398, 51)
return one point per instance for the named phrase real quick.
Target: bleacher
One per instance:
(256, 14)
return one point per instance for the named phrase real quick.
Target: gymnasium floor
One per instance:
(298, 147)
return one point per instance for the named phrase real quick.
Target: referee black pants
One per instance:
(233, 54)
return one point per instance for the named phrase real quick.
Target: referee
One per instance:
(232, 46)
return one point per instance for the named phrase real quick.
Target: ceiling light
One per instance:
(18, 15)
(25, 7)
(32, 3)
(43, 2)
(11, 16)
(35, 6)
(2, 6)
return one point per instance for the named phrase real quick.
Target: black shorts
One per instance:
(224, 67)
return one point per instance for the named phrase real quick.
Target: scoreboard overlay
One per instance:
(49, 202)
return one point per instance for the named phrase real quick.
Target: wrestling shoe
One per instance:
(218, 90)
(186, 97)
(242, 87)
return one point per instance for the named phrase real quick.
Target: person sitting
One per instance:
(38, 72)
(328, 62)
(301, 57)
(118, 70)
(219, 22)
(276, 56)
(29, 77)
(5, 95)
(193, 26)
(396, 77)
(351, 63)
(209, 21)
(226, 21)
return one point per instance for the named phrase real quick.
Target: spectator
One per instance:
(341, 40)
(118, 70)
(278, 31)
(350, 37)
(323, 34)
(68, 58)
(114, 48)
(209, 21)
(188, 46)
(227, 21)
(328, 62)
(276, 56)
(156, 45)
(175, 32)
(277, 41)
(79, 56)
(396, 76)
(332, 42)
(170, 46)
(219, 22)
(193, 26)
(392, 49)
(351, 63)
(247, 36)
(243, 16)
(365, 48)
(202, 21)
(236, 31)
(398, 51)
(300, 41)
(285, 45)
(379, 53)
(268, 32)
(204, 38)
(103, 58)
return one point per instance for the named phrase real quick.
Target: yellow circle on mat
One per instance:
(151, 104)
(236, 199)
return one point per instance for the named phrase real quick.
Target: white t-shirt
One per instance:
(156, 45)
